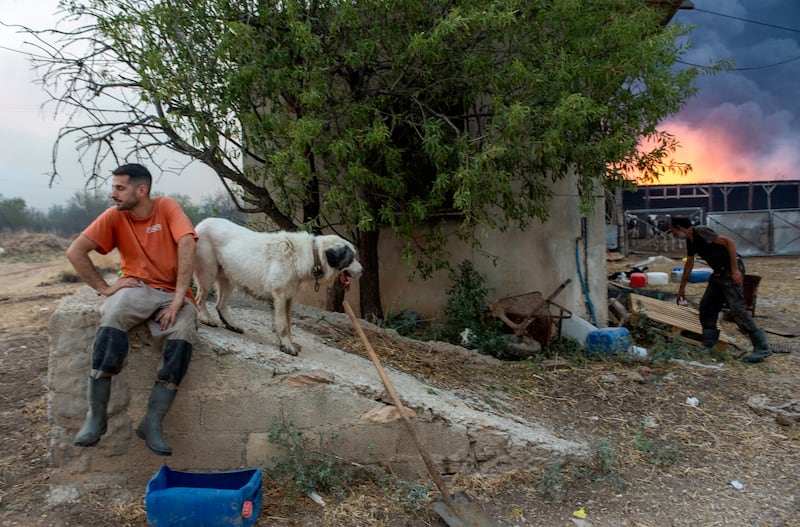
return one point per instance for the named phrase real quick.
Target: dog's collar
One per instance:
(317, 270)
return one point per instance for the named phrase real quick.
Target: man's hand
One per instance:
(737, 277)
(122, 283)
(167, 317)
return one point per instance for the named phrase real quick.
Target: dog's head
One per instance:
(340, 255)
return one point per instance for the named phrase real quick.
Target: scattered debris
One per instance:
(698, 364)
(528, 315)
(316, 498)
(789, 333)
(786, 414)
(558, 363)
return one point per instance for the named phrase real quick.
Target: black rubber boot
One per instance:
(98, 392)
(760, 347)
(150, 428)
(710, 338)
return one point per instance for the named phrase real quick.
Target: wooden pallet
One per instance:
(683, 321)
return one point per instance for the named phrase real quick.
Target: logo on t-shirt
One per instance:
(154, 228)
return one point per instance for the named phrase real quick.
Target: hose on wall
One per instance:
(580, 273)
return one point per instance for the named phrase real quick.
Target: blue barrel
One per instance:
(608, 341)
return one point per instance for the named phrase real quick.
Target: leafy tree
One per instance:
(220, 205)
(375, 114)
(80, 210)
(13, 215)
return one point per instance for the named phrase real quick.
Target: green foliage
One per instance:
(413, 496)
(14, 214)
(383, 114)
(466, 305)
(604, 465)
(661, 455)
(552, 485)
(308, 468)
(405, 322)
(566, 347)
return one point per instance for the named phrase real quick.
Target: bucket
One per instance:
(655, 278)
(608, 341)
(638, 280)
(176, 499)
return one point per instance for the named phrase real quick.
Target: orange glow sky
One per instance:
(742, 124)
(718, 156)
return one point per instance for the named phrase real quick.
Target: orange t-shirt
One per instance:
(148, 247)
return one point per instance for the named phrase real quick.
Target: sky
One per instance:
(742, 125)
(28, 131)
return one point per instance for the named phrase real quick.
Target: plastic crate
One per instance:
(197, 499)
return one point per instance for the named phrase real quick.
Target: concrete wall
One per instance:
(237, 384)
(514, 262)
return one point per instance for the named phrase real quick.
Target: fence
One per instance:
(760, 233)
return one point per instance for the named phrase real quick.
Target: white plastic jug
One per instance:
(577, 328)
(655, 278)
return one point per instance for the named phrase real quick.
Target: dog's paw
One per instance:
(228, 325)
(235, 329)
(292, 350)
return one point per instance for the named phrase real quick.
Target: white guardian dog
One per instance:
(267, 265)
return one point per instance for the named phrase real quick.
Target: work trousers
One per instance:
(134, 305)
(721, 291)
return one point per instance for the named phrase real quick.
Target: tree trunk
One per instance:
(369, 284)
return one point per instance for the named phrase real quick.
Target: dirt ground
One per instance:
(659, 459)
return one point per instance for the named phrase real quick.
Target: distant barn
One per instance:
(762, 216)
(717, 197)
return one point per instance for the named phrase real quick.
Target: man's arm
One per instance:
(78, 256)
(687, 271)
(730, 245)
(186, 247)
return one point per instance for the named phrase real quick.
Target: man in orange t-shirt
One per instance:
(156, 244)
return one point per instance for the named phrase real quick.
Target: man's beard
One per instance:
(127, 205)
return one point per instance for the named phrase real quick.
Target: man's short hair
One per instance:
(138, 174)
(680, 221)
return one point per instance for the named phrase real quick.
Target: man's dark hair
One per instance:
(138, 174)
(680, 221)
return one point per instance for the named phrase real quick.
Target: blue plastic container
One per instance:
(697, 275)
(608, 341)
(700, 275)
(216, 499)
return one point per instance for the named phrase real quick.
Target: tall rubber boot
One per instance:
(710, 337)
(98, 392)
(760, 347)
(150, 428)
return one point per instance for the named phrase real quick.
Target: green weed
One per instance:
(661, 455)
(552, 485)
(306, 468)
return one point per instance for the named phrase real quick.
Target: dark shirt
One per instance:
(714, 254)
